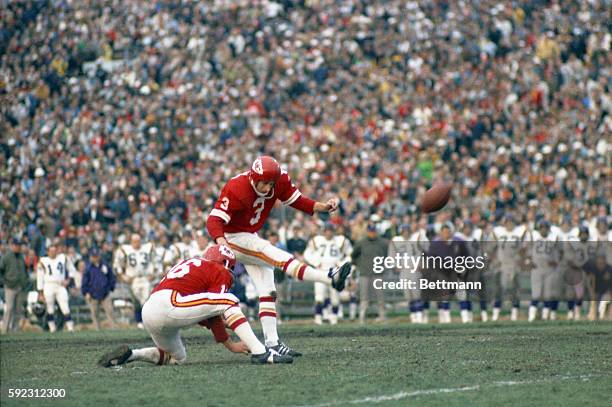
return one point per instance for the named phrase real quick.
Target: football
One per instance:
(436, 197)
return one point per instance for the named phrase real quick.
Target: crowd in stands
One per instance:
(128, 116)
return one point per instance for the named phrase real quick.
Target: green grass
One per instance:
(514, 364)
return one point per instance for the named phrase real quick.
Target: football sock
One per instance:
(484, 316)
(51, 323)
(577, 312)
(138, 315)
(325, 309)
(464, 307)
(242, 328)
(151, 355)
(267, 317)
(353, 308)
(533, 311)
(546, 310)
(302, 271)
(554, 305)
(413, 307)
(69, 323)
(602, 308)
(318, 308)
(333, 317)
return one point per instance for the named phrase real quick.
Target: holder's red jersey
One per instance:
(242, 209)
(195, 276)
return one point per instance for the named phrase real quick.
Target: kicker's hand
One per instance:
(329, 206)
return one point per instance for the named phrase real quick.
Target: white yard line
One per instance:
(427, 392)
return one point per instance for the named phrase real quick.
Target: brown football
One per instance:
(436, 197)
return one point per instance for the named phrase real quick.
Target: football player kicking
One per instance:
(194, 292)
(243, 206)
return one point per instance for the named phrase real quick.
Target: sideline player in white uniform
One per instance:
(53, 275)
(411, 244)
(194, 292)
(243, 207)
(473, 236)
(509, 238)
(135, 265)
(579, 249)
(327, 251)
(184, 249)
(545, 276)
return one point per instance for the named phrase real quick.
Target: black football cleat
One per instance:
(270, 356)
(284, 350)
(339, 275)
(115, 357)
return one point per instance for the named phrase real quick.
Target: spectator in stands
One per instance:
(130, 114)
(98, 282)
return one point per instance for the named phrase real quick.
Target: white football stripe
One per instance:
(293, 197)
(220, 214)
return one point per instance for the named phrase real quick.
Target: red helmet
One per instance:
(265, 168)
(221, 254)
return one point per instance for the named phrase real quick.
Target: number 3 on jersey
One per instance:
(260, 204)
(183, 268)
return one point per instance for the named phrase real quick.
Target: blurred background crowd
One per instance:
(129, 116)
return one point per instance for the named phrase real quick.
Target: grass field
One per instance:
(518, 364)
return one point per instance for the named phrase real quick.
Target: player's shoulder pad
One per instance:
(284, 178)
(238, 187)
(317, 240)
(499, 231)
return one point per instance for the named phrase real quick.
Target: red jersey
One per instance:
(195, 276)
(243, 209)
